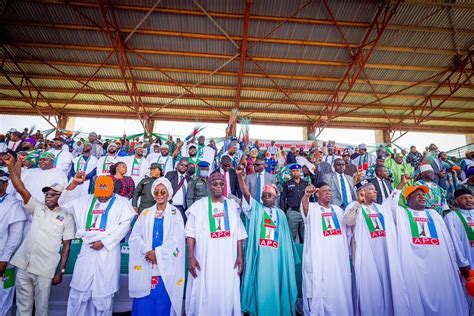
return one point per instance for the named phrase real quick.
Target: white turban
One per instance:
(164, 182)
(426, 167)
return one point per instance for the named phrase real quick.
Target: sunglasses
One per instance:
(161, 192)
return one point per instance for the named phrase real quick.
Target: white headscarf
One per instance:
(164, 182)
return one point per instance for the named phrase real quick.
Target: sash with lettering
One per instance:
(106, 166)
(136, 167)
(268, 231)
(423, 230)
(97, 218)
(330, 223)
(375, 223)
(218, 221)
(467, 226)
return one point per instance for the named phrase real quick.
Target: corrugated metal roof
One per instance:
(310, 85)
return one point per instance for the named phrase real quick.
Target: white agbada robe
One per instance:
(62, 158)
(137, 170)
(170, 256)
(96, 274)
(80, 164)
(380, 288)
(463, 247)
(103, 164)
(327, 284)
(330, 159)
(36, 179)
(12, 219)
(433, 281)
(166, 162)
(216, 289)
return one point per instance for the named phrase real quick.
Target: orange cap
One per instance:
(104, 186)
(412, 188)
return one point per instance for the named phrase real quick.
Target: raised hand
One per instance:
(80, 177)
(310, 190)
(9, 160)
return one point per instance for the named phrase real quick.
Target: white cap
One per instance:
(426, 167)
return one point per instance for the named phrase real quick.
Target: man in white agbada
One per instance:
(104, 162)
(428, 258)
(460, 223)
(163, 158)
(12, 220)
(102, 220)
(327, 285)
(157, 256)
(62, 156)
(379, 284)
(136, 164)
(84, 163)
(214, 234)
(35, 179)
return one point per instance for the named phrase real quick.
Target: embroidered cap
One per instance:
(412, 188)
(270, 188)
(104, 186)
(216, 176)
(362, 184)
(426, 167)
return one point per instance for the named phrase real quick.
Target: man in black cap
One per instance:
(143, 189)
(292, 193)
(459, 222)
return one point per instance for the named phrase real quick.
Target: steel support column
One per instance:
(120, 51)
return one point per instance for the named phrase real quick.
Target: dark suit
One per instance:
(234, 182)
(251, 181)
(332, 179)
(380, 192)
(441, 181)
(174, 176)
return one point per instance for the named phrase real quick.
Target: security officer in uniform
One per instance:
(197, 187)
(143, 189)
(292, 193)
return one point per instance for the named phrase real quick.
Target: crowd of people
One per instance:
(384, 233)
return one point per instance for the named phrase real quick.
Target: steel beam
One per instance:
(28, 90)
(267, 18)
(463, 70)
(243, 53)
(296, 61)
(424, 83)
(120, 51)
(359, 60)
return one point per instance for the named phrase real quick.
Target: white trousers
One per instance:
(83, 304)
(31, 288)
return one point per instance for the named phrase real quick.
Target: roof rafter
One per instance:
(261, 17)
(227, 57)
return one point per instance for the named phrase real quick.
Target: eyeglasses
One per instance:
(258, 164)
(161, 192)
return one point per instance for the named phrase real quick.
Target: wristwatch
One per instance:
(63, 271)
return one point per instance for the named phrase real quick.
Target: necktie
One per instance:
(184, 193)
(343, 190)
(259, 188)
(225, 183)
(385, 193)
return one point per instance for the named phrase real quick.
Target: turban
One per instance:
(31, 140)
(104, 186)
(271, 188)
(167, 185)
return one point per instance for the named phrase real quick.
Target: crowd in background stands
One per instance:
(134, 165)
(317, 163)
